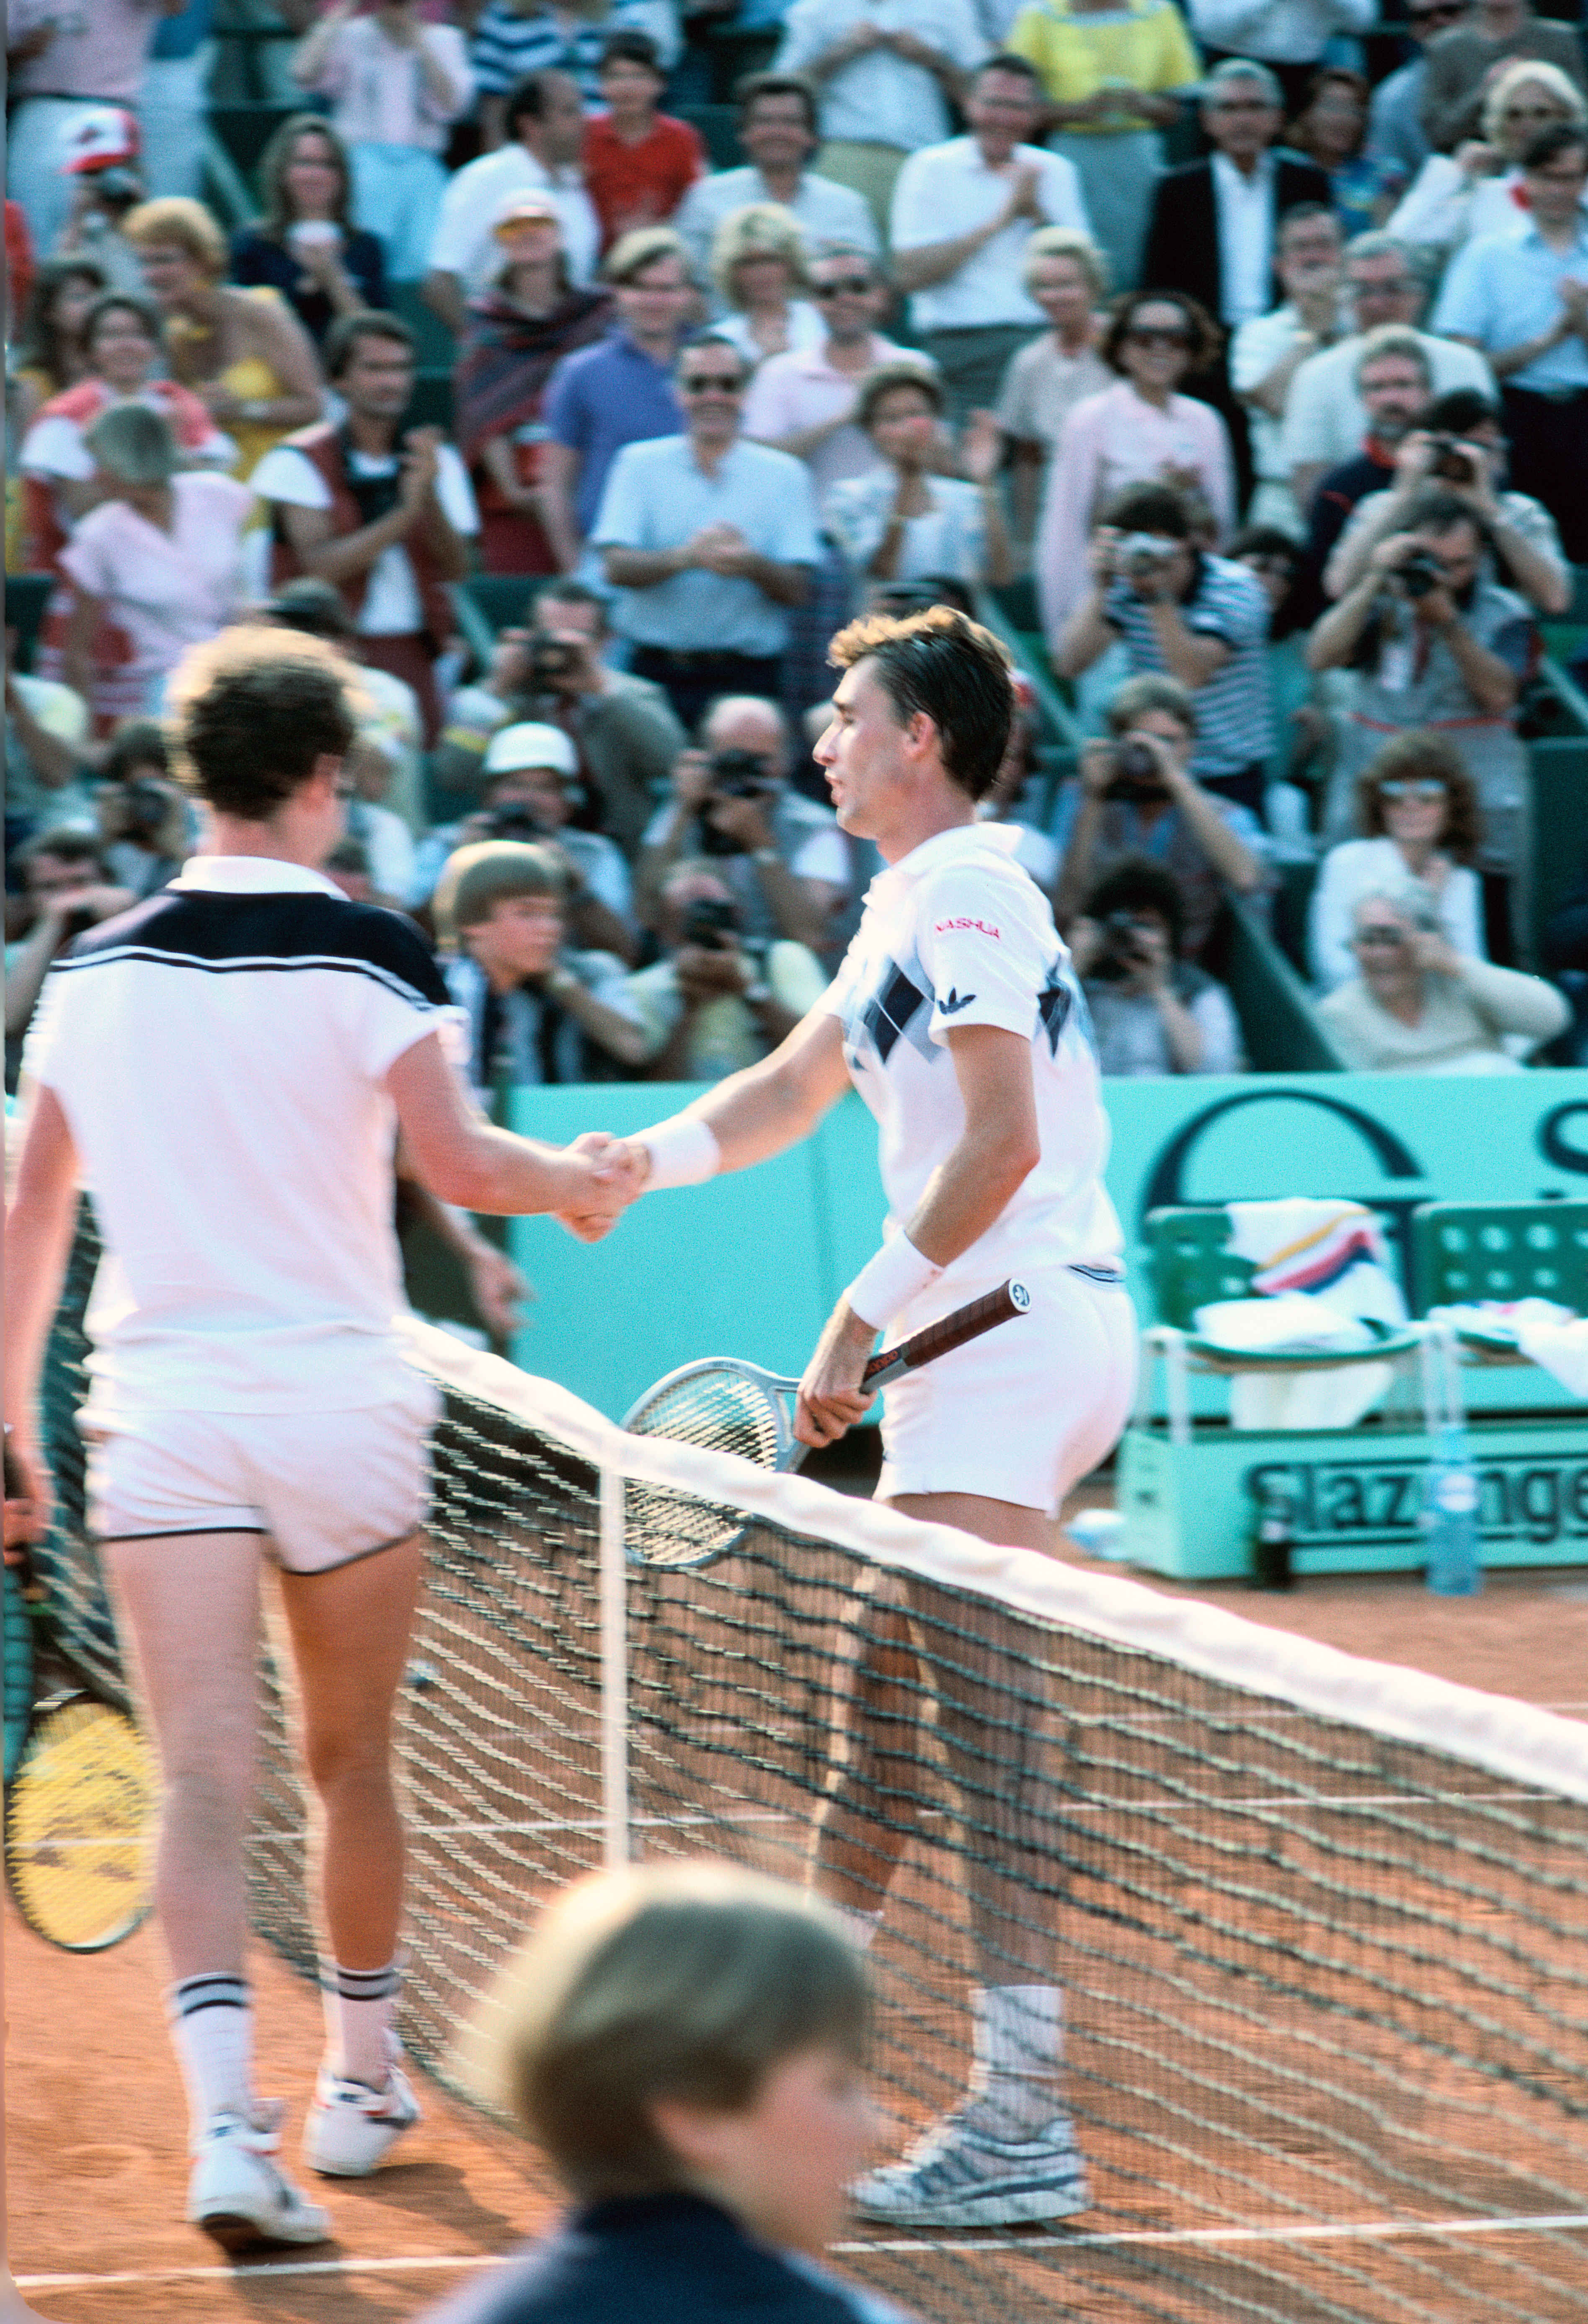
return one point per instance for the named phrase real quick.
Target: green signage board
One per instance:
(750, 1266)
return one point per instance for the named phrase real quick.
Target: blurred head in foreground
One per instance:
(688, 2029)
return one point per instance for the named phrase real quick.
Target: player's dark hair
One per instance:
(951, 671)
(348, 331)
(692, 1982)
(1147, 507)
(249, 713)
(775, 84)
(1137, 885)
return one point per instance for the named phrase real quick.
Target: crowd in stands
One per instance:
(1276, 453)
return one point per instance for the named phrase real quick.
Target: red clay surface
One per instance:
(96, 2163)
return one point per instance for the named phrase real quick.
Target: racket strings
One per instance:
(79, 1827)
(724, 1410)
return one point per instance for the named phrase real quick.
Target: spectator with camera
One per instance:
(782, 858)
(1325, 422)
(620, 391)
(532, 785)
(143, 830)
(1417, 813)
(709, 540)
(1198, 619)
(538, 1011)
(716, 1001)
(1459, 442)
(1392, 381)
(1416, 1005)
(1425, 642)
(1152, 1012)
(66, 889)
(1523, 299)
(622, 726)
(380, 512)
(1136, 795)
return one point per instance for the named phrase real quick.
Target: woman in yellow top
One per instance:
(1115, 72)
(243, 352)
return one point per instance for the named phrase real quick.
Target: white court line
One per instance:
(1369, 2230)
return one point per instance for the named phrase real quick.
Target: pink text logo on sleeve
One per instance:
(949, 927)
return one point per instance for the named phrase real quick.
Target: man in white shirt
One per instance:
(957, 1018)
(1269, 350)
(777, 128)
(545, 127)
(381, 515)
(887, 71)
(251, 1393)
(1325, 421)
(963, 212)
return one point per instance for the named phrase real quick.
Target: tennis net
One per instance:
(1322, 1927)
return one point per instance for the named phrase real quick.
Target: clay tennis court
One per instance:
(96, 2162)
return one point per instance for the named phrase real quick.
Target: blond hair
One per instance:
(184, 224)
(689, 1981)
(1517, 75)
(475, 879)
(760, 230)
(1067, 242)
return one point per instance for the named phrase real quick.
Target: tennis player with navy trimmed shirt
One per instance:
(957, 1015)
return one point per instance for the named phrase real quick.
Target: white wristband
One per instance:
(890, 1281)
(683, 1152)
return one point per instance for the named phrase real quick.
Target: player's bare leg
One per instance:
(350, 1628)
(873, 1805)
(189, 1604)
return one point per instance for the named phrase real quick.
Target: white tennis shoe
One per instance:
(243, 2198)
(350, 2128)
(964, 2172)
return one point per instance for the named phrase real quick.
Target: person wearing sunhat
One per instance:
(518, 328)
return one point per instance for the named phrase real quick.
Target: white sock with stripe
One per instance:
(211, 2022)
(358, 2005)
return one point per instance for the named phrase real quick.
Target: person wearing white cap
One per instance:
(100, 154)
(532, 785)
(66, 62)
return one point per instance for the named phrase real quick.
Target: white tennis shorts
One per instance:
(326, 1487)
(1026, 1411)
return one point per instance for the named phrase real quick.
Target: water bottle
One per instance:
(1449, 1519)
(1274, 1533)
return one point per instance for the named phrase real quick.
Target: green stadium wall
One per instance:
(751, 1265)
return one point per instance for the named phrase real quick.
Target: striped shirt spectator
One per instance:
(512, 40)
(1234, 730)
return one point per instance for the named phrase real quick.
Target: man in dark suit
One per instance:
(1214, 221)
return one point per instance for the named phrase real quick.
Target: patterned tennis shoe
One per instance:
(964, 2172)
(240, 2195)
(350, 2128)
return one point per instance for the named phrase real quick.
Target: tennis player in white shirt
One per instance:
(958, 1018)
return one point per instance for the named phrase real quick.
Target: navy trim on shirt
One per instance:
(291, 929)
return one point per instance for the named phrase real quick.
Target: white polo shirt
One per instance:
(220, 1054)
(949, 190)
(956, 933)
(483, 190)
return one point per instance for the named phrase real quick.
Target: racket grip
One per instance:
(984, 1314)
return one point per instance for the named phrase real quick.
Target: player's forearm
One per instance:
(497, 1175)
(969, 1192)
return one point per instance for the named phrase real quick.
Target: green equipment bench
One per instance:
(1187, 1486)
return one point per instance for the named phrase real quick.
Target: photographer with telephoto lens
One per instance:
(1459, 442)
(1426, 642)
(718, 1000)
(1136, 796)
(782, 857)
(1152, 1012)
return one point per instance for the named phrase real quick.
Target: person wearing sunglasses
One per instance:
(1416, 1005)
(1461, 70)
(710, 540)
(1419, 814)
(1395, 136)
(1140, 429)
(1478, 190)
